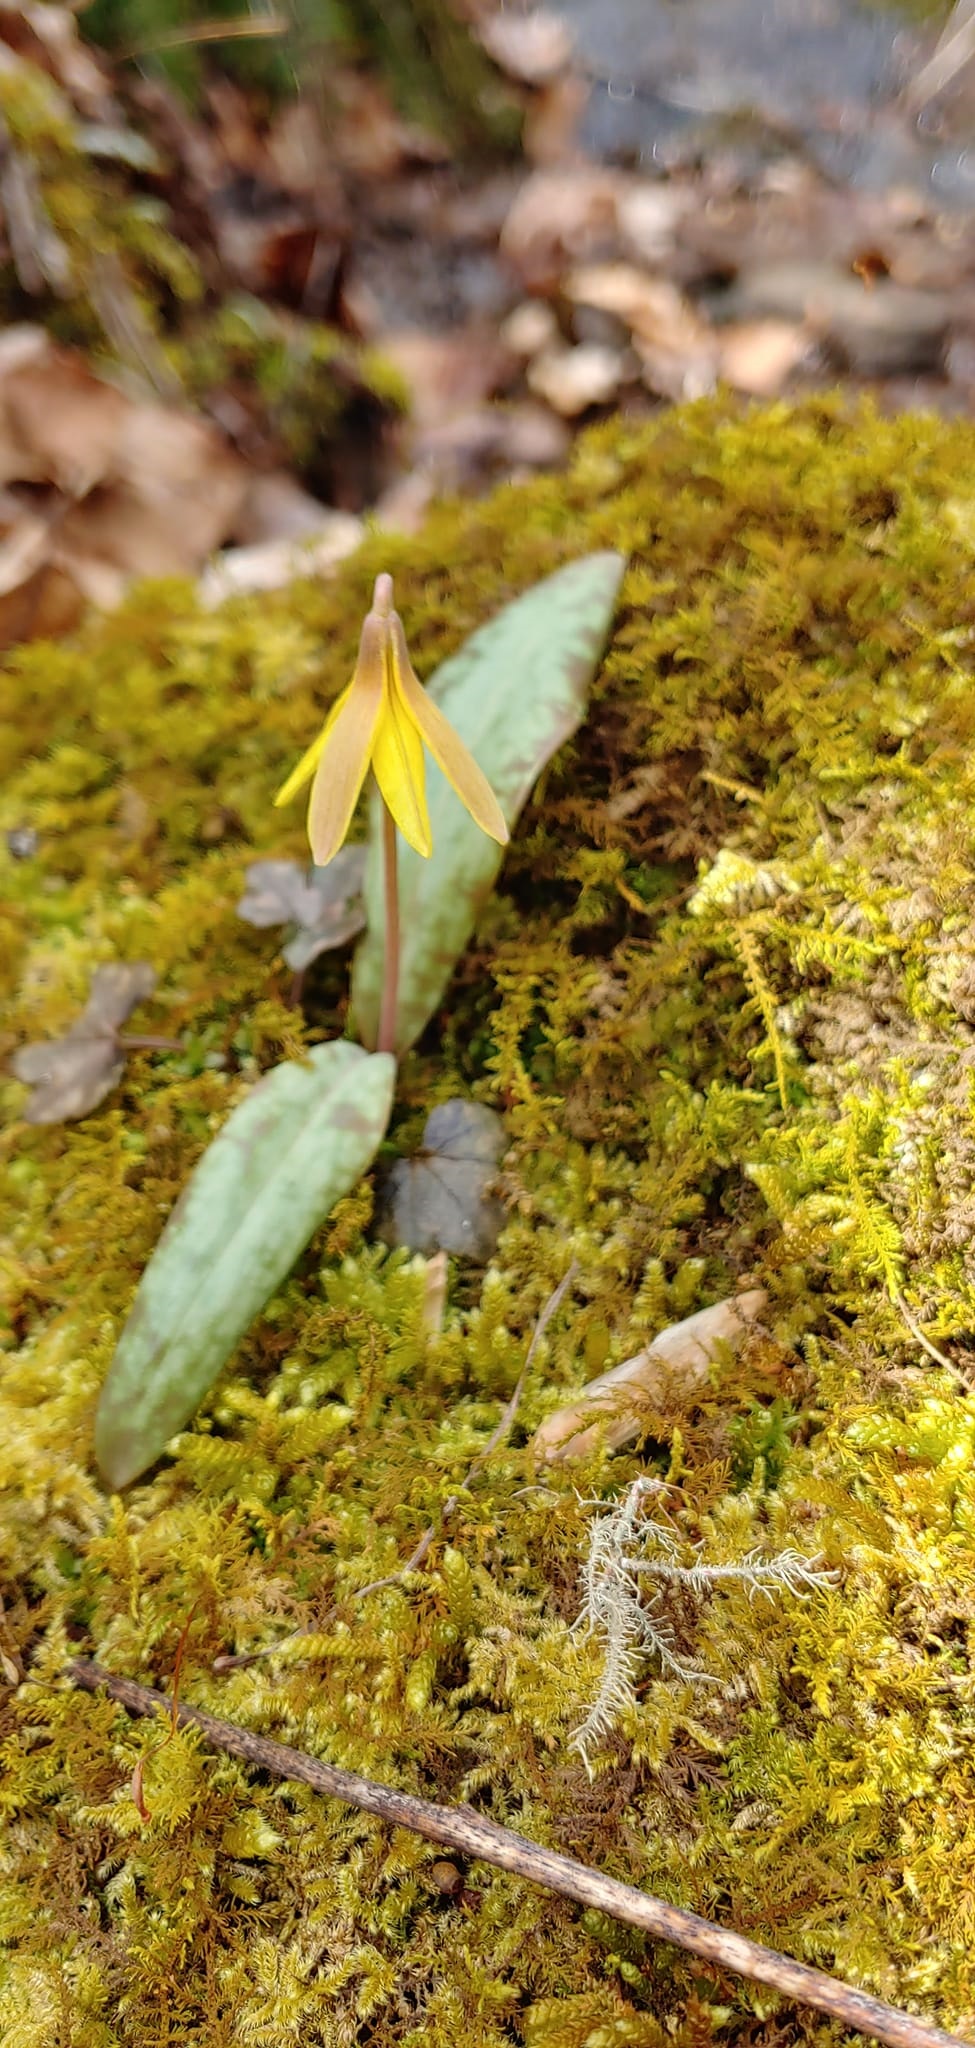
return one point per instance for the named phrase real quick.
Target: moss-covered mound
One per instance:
(725, 999)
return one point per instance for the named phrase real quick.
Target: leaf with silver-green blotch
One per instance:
(297, 1143)
(515, 692)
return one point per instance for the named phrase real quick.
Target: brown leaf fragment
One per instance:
(573, 379)
(136, 1790)
(47, 36)
(530, 328)
(531, 47)
(273, 564)
(70, 1076)
(758, 356)
(676, 347)
(671, 1373)
(126, 488)
(561, 216)
(58, 422)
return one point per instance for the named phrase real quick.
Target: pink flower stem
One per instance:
(386, 1041)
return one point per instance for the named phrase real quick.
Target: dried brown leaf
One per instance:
(273, 564)
(531, 47)
(134, 488)
(47, 36)
(758, 356)
(559, 217)
(439, 1200)
(573, 379)
(671, 1373)
(677, 348)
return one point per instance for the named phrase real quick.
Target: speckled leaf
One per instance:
(282, 1160)
(515, 692)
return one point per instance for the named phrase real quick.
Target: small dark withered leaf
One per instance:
(323, 905)
(70, 1076)
(439, 1200)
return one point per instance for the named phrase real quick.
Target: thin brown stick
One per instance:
(416, 1557)
(468, 1834)
(146, 1041)
(386, 1042)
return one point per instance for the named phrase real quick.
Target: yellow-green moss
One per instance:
(725, 998)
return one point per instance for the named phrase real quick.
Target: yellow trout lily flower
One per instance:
(381, 722)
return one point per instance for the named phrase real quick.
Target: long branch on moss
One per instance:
(471, 1835)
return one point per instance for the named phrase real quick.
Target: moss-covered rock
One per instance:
(725, 999)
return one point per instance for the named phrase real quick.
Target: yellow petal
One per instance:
(445, 745)
(311, 757)
(400, 770)
(345, 759)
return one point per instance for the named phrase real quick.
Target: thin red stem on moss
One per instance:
(469, 1834)
(386, 1042)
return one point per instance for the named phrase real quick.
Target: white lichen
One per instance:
(626, 1551)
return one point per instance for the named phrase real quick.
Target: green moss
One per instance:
(725, 998)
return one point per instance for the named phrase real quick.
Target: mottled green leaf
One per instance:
(286, 1155)
(515, 692)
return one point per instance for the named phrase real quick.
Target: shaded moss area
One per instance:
(725, 998)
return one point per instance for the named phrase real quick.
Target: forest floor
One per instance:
(351, 315)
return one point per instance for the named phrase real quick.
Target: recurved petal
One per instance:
(400, 770)
(447, 748)
(345, 758)
(310, 758)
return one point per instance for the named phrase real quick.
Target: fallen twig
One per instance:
(470, 1835)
